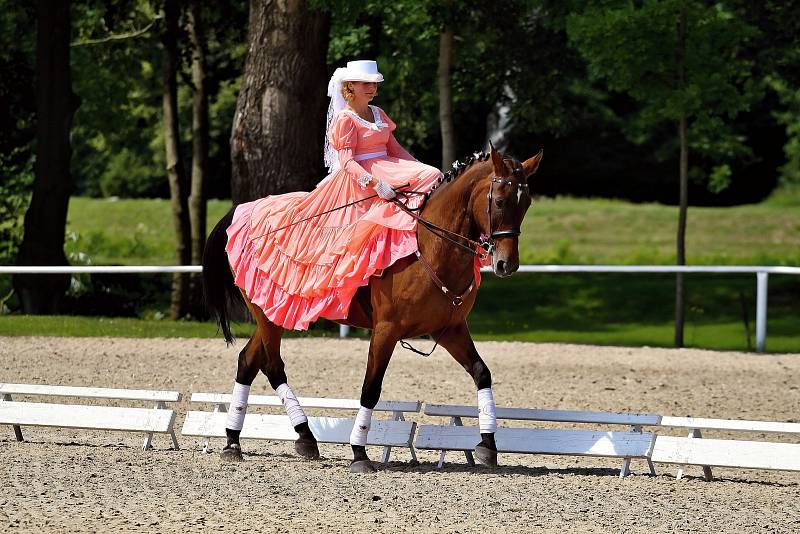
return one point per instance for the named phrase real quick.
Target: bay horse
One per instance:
(479, 205)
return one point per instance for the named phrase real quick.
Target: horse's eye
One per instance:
(499, 202)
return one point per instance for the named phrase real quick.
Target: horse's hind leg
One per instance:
(458, 342)
(251, 359)
(273, 367)
(262, 352)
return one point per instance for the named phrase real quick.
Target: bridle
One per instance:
(483, 248)
(522, 185)
(487, 242)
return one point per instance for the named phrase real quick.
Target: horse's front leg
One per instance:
(458, 342)
(381, 346)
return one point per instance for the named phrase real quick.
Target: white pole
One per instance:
(761, 311)
(344, 330)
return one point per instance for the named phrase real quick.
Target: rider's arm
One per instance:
(344, 138)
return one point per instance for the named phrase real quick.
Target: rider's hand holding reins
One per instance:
(384, 190)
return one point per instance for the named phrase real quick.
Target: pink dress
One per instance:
(313, 269)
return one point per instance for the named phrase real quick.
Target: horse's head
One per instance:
(500, 210)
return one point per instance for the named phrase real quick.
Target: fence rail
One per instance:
(762, 273)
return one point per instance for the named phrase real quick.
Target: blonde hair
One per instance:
(347, 93)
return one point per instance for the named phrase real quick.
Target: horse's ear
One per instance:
(531, 165)
(500, 168)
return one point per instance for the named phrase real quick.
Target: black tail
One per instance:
(222, 297)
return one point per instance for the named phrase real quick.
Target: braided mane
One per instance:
(458, 169)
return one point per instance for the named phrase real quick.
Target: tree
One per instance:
(117, 136)
(445, 84)
(776, 59)
(17, 107)
(46, 217)
(680, 59)
(278, 126)
(176, 172)
(200, 145)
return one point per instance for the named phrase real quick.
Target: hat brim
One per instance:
(364, 78)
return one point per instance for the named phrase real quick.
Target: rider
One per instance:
(298, 257)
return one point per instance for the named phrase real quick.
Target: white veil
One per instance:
(337, 104)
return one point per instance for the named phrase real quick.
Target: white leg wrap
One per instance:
(361, 428)
(291, 405)
(487, 419)
(238, 406)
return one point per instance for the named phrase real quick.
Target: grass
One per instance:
(126, 231)
(611, 232)
(83, 326)
(562, 230)
(598, 309)
(613, 309)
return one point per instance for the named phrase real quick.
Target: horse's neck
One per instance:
(451, 208)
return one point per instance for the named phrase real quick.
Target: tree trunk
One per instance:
(200, 143)
(279, 125)
(680, 301)
(446, 98)
(176, 172)
(46, 217)
(680, 304)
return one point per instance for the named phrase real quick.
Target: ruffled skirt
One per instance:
(298, 258)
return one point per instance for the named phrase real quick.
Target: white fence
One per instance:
(762, 275)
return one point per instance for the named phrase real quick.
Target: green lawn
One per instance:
(610, 232)
(561, 230)
(127, 232)
(596, 308)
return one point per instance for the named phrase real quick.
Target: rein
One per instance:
(337, 208)
(445, 234)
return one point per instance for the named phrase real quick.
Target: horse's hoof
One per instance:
(231, 453)
(307, 449)
(362, 466)
(485, 456)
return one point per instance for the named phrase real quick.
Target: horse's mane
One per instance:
(459, 167)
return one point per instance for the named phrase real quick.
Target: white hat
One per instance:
(356, 71)
(362, 71)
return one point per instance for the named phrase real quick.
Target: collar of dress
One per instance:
(378, 125)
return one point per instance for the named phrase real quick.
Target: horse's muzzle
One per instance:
(504, 268)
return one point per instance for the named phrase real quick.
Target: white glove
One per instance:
(384, 190)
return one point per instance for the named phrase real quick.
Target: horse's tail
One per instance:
(222, 297)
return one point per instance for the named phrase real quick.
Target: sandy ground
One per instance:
(71, 481)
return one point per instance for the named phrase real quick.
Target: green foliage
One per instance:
(119, 86)
(118, 131)
(790, 117)
(634, 48)
(14, 199)
(491, 64)
(17, 108)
